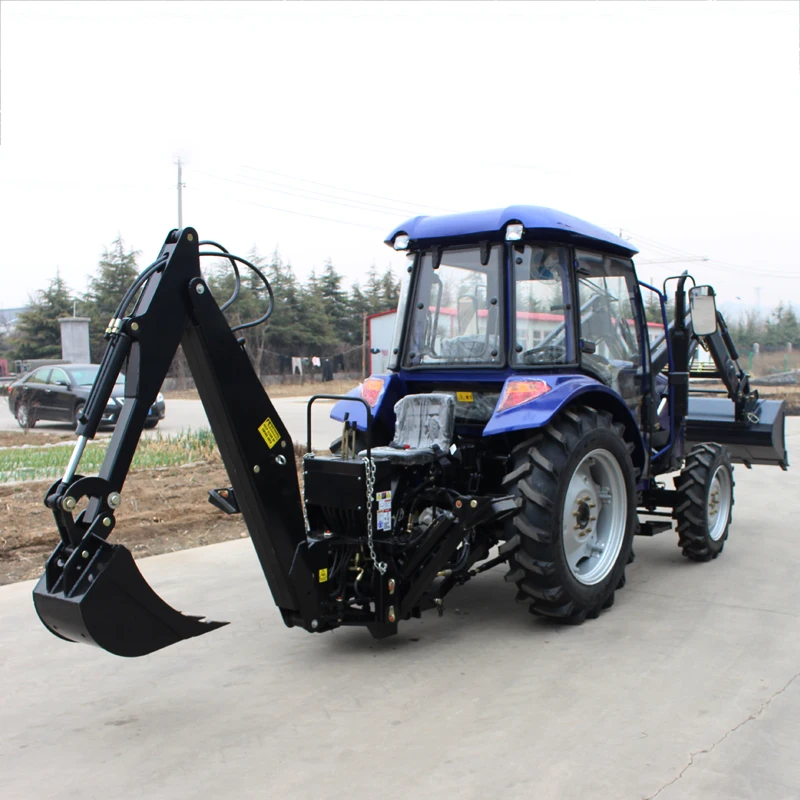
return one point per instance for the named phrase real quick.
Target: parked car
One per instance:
(58, 393)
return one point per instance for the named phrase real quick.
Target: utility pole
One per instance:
(181, 184)
(364, 346)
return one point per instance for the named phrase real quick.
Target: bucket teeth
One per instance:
(114, 608)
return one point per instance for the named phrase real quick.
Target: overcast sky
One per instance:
(316, 127)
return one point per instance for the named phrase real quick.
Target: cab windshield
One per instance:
(457, 309)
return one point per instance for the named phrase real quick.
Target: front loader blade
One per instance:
(103, 599)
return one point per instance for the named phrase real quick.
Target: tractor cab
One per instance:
(525, 293)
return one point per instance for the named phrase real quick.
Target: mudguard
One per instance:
(564, 391)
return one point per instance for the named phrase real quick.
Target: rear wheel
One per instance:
(78, 413)
(704, 507)
(25, 418)
(572, 538)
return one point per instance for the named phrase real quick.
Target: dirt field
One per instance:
(32, 438)
(161, 511)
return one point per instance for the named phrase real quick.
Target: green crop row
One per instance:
(39, 463)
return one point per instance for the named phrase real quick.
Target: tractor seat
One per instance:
(423, 429)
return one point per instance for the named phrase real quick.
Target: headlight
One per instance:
(159, 398)
(401, 241)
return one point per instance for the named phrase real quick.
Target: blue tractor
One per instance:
(527, 414)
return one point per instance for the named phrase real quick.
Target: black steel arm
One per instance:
(726, 358)
(91, 590)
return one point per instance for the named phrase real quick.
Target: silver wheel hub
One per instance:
(595, 517)
(718, 506)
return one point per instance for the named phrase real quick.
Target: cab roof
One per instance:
(539, 222)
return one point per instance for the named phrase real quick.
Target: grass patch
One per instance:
(39, 463)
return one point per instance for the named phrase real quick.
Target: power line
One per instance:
(301, 214)
(350, 191)
(357, 204)
(678, 255)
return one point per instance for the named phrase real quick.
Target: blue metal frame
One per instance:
(491, 223)
(662, 299)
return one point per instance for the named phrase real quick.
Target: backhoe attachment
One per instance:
(92, 591)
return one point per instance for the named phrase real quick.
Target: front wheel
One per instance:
(77, 415)
(704, 508)
(25, 418)
(573, 536)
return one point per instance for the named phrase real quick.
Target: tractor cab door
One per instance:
(612, 335)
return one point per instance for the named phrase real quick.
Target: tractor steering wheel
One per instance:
(544, 354)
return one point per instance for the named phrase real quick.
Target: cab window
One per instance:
(457, 309)
(540, 291)
(611, 322)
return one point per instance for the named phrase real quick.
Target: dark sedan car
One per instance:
(58, 393)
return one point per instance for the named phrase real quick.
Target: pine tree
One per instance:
(652, 308)
(390, 290)
(38, 331)
(372, 291)
(116, 271)
(335, 303)
(283, 332)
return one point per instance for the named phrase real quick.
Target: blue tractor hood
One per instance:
(537, 220)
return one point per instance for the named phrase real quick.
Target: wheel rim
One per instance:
(718, 505)
(595, 517)
(22, 415)
(78, 412)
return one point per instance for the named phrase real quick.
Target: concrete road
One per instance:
(186, 414)
(688, 688)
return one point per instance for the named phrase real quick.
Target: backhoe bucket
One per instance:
(102, 599)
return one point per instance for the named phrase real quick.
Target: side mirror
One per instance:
(704, 310)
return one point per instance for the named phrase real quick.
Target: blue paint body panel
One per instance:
(491, 223)
(565, 389)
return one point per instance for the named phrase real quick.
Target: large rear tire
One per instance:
(704, 507)
(572, 538)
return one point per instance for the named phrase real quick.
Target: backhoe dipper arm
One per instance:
(726, 358)
(92, 591)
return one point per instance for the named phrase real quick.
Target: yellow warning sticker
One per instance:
(323, 576)
(464, 397)
(269, 433)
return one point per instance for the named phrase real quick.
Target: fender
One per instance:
(565, 390)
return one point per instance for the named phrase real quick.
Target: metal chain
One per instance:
(305, 506)
(369, 469)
